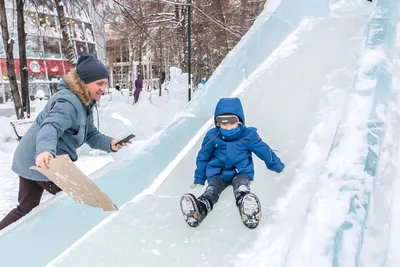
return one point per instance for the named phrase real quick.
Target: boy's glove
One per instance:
(284, 166)
(193, 186)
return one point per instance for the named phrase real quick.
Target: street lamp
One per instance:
(189, 2)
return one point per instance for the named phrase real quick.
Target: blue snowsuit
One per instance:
(228, 156)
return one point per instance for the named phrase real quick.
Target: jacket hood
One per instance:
(231, 105)
(73, 83)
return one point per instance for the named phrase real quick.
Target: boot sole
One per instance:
(190, 211)
(250, 211)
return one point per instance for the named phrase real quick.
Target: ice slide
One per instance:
(293, 70)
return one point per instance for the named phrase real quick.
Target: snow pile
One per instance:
(39, 103)
(7, 132)
(150, 114)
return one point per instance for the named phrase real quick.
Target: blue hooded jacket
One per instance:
(227, 156)
(65, 123)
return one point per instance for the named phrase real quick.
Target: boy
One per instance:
(225, 158)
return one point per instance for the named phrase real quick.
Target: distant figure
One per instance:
(162, 79)
(117, 87)
(138, 87)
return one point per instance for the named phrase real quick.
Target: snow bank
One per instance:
(7, 132)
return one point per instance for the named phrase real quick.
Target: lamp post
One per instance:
(189, 2)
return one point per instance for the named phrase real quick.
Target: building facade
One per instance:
(45, 60)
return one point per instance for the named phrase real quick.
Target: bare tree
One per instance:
(8, 46)
(161, 26)
(220, 32)
(22, 56)
(66, 42)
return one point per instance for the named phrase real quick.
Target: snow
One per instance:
(317, 87)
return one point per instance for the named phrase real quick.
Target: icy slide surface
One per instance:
(150, 232)
(285, 94)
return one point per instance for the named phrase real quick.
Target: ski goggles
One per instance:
(227, 119)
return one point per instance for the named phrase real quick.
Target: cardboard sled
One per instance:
(64, 173)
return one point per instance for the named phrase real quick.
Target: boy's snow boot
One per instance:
(249, 209)
(195, 210)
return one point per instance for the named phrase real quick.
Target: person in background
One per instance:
(138, 87)
(162, 79)
(65, 123)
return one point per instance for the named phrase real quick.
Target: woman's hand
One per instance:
(43, 160)
(115, 147)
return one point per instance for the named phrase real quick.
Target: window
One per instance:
(125, 53)
(47, 25)
(34, 47)
(31, 23)
(78, 30)
(92, 48)
(89, 33)
(45, 6)
(67, 8)
(80, 47)
(55, 78)
(53, 88)
(51, 47)
(81, 11)
(12, 21)
(37, 77)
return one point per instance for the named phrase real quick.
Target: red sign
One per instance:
(3, 66)
(54, 67)
(67, 66)
(35, 66)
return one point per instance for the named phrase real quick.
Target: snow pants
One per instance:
(136, 94)
(240, 184)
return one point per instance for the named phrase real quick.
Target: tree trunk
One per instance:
(22, 57)
(140, 67)
(8, 47)
(183, 37)
(66, 43)
(221, 33)
(244, 14)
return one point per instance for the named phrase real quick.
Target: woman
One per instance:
(65, 124)
(138, 87)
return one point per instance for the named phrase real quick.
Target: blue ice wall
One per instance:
(380, 36)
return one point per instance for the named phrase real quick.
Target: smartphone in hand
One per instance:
(126, 139)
